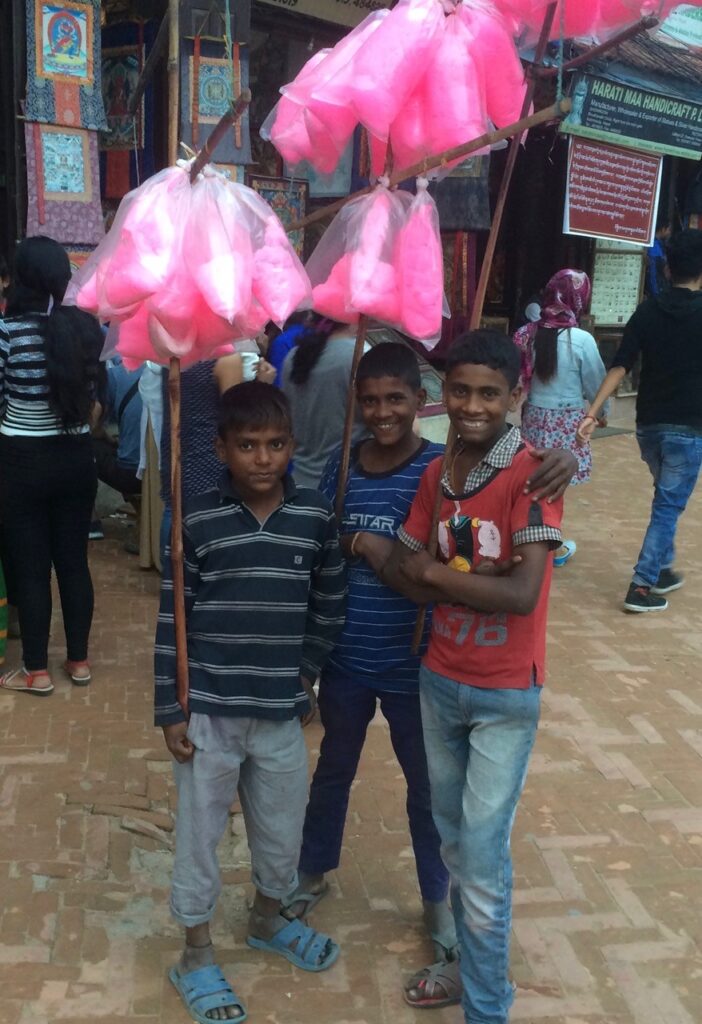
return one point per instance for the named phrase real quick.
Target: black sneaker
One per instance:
(642, 599)
(667, 581)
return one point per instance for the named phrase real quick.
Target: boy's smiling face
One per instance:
(388, 406)
(257, 459)
(478, 399)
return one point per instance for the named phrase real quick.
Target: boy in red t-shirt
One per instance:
(481, 678)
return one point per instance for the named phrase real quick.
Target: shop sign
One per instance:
(611, 192)
(684, 25)
(616, 112)
(341, 12)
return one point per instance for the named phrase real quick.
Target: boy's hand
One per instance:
(265, 372)
(308, 687)
(369, 546)
(552, 477)
(176, 737)
(489, 567)
(414, 567)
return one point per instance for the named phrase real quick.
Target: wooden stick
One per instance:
(173, 79)
(481, 290)
(554, 113)
(596, 51)
(219, 131)
(181, 641)
(348, 423)
(152, 62)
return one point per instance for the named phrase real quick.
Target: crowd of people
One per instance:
(288, 609)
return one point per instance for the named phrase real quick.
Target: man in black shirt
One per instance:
(666, 331)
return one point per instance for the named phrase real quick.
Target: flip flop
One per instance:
(439, 984)
(308, 949)
(206, 989)
(28, 678)
(310, 899)
(70, 667)
(570, 548)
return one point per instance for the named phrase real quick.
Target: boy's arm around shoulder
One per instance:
(167, 710)
(326, 609)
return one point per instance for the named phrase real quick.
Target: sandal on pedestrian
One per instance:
(206, 989)
(21, 681)
(308, 896)
(435, 986)
(300, 944)
(78, 672)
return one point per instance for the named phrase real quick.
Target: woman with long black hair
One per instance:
(316, 378)
(49, 357)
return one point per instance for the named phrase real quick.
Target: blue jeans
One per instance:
(478, 743)
(346, 709)
(674, 458)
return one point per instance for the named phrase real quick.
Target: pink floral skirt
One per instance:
(556, 428)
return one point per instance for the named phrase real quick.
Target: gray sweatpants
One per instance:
(267, 761)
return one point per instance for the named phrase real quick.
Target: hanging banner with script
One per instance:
(341, 12)
(615, 112)
(611, 192)
(684, 25)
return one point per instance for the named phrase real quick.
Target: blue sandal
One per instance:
(206, 989)
(306, 952)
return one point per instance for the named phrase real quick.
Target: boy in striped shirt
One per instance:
(264, 594)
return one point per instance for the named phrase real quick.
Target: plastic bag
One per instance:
(420, 269)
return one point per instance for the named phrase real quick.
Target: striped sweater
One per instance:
(24, 386)
(264, 602)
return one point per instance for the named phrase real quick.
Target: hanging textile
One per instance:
(127, 147)
(63, 186)
(63, 58)
(206, 77)
(462, 198)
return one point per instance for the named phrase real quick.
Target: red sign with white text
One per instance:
(612, 192)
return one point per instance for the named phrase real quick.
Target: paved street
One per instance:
(608, 840)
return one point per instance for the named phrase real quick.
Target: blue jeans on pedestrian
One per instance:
(674, 456)
(478, 743)
(346, 709)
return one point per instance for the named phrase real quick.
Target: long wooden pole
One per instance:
(481, 290)
(152, 61)
(181, 642)
(553, 113)
(361, 332)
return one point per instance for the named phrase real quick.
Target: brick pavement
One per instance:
(608, 841)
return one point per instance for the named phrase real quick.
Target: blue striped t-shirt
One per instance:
(375, 646)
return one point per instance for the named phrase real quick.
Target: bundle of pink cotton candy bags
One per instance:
(187, 269)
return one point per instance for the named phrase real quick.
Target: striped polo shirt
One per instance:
(24, 387)
(374, 648)
(264, 602)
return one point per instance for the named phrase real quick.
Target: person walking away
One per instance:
(561, 371)
(666, 333)
(251, 546)
(316, 381)
(48, 370)
(657, 281)
(481, 677)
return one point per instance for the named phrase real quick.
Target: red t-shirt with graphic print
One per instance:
(492, 650)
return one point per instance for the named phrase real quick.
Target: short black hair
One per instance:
(684, 252)
(253, 405)
(390, 359)
(486, 347)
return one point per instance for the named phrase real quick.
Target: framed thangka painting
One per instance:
(65, 159)
(121, 67)
(288, 199)
(63, 187)
(64, 42)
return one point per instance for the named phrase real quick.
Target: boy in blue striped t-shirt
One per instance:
(372, 661)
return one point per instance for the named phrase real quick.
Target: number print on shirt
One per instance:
(490, 630)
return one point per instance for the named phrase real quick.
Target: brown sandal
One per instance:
(21, 681)
(436, 986)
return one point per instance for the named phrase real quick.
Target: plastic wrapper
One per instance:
(420, 268)
(497, 62)
(188, 269)
(382, 257)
